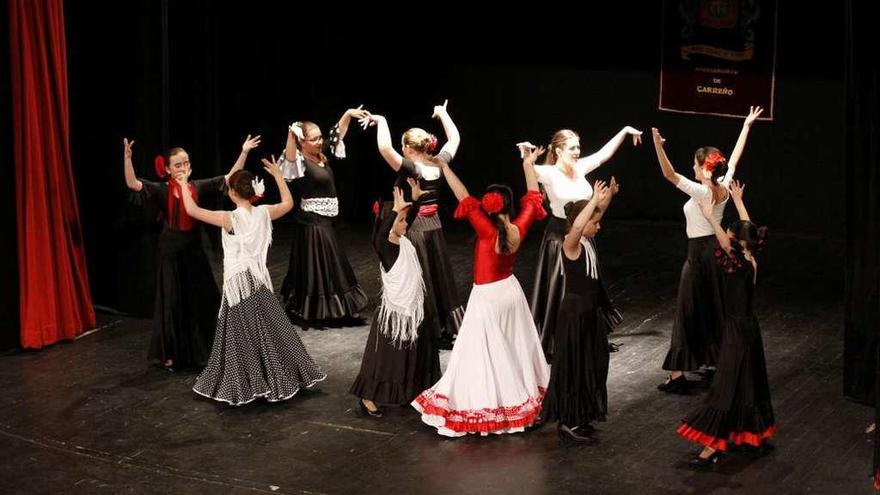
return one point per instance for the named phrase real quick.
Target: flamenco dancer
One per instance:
(400, 358)
(187, 297)
(564, 181)
(497, 374)
(256, 352)
(699, 316)
(577, 394)
(417, 160)
(320, 284)
(737, 410)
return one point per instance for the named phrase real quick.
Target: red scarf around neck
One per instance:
(175, 197)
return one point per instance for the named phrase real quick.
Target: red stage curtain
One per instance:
(54, 288)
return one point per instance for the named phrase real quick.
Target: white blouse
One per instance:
(562, 189)
(697, 225)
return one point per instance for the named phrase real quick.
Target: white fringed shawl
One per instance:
(403, 297)
(244, 254)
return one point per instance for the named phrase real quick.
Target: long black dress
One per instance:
(392, 374)
(426, 234)
(737, 409)
(187, 297)
(320, 283)
(577, 393)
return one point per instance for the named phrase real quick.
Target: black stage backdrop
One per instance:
(254, 68)
(862, 202)
(8, 235)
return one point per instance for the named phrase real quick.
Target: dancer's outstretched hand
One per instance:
(600, 191)
(272, 166)
(126, 153)
(399, 203)
(635, 133)
(614, 186)
(439, 110)
(754, 113)
(415, 187)
(250, 143)
(357, 113)
(532, 155)
(369, 120)
(736, 190)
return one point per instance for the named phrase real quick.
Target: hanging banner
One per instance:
(719, 57)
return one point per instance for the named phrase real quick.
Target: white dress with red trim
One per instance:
(497, 374)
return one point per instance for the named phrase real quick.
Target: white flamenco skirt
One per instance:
(497, 374)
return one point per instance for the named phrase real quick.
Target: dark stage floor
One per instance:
(92, 417)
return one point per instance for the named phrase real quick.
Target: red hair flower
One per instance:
(433, 145)
(376, 208)
(713, 160)
(256, 197)
(492, 202)
(159, 166)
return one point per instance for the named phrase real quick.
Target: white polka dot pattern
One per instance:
(256, 353)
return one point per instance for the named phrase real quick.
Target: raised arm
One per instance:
(720, 234)
(736, 192)
(249, 144)
(400, 209)
(131, 180)
(453, 139)
(754, 112)
(572, 240)
(592, 162)
(383, 142)
(216, 218)
(278, 210)
(458, 188)
(665, 165)
(294, 133)
(356, 113)
(530, 155)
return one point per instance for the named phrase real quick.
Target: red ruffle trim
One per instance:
(481, 420)
(536, 199)
(737, 438)
(466, 206)
(428, 210)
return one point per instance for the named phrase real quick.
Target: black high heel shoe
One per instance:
(677, 385)
(705, 462)
(373, 414)
(575, 434)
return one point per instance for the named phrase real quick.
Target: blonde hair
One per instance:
(422, 142)
(558, 141)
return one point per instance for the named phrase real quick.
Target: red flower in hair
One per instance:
(159, 166)
(713, 160)
(255, 198)
(376, 208)
(492, 202)
(433, 145)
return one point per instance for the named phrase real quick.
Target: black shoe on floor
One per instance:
(575, 434)
(674, 386)
(373, 414)
(701, 463)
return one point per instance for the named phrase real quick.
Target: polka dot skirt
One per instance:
(256, 353)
